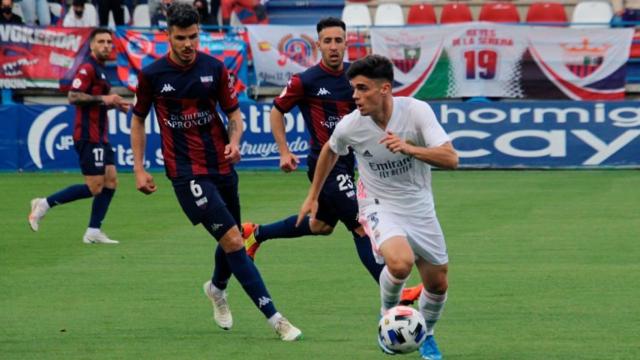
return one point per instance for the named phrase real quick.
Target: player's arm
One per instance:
(112, 100)
(443, 156)
(144, 180)
(80, 98)
(288, 161)
(290, 97)
(326, 161)
(437, 150)
(234, 130)
(143, 101)
(228, 100)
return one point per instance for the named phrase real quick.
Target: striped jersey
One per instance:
(185, 99)
(323, 96)
(91, 123)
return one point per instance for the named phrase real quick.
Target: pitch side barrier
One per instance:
(498, 135)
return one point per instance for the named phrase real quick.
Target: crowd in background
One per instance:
(82, 13)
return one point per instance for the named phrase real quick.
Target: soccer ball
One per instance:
(402, 329)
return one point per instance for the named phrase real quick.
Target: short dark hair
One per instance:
(182, 15)
(97, 31)
(330, 22)
(373, 67)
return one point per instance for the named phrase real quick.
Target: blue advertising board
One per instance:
(563, 134)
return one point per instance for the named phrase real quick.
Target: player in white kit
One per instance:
(396, 140)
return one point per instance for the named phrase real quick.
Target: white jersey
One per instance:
(396, 181)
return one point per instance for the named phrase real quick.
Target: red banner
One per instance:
(137, 49)
(39, 57)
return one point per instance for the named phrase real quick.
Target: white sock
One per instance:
(44, 204)
(390, 289)
(92, 231)
(431, 307)
(216, 292)
(273, 320)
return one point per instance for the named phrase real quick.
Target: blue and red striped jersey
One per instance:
(323, 96)
(185, 99)
(91, 123)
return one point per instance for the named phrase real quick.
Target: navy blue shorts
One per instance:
(211, 201)
(93, 157)
(337, 200)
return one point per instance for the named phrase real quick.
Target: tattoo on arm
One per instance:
(80, 98)
(232, 127)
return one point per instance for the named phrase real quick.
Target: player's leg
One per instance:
(101, 202)
(89, 162)
(431, 303)
(432, 261)
(228, 190)
(331, 198)
(434, 294)
(339, 200)
(391, 247)
(254, 235)
(398, 258)
(365, 252)
(202, 202)
(249, 277)
(344, 205)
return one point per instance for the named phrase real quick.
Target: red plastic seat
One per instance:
(499, 12)
(421, 14)
(635, 45)
(357, 46)
(546, 12)
(455, 13)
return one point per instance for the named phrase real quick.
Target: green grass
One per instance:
(544, 265)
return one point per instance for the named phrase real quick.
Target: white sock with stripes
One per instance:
(431, 307)
(390, 289)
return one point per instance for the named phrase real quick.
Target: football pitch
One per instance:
(544, 265)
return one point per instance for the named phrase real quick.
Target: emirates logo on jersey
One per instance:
(391, 167)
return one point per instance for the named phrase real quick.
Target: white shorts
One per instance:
(422, 231)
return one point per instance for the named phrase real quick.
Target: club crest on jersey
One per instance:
(166, 88)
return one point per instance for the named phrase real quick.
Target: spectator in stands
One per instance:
(627, 10)
(7, 16)
(114, 6)
(207, 18)
(159, 18)
(78, 17)
(36, 10)
(258, 12)
(131, 4)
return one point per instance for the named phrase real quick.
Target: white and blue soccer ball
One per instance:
(402, 329)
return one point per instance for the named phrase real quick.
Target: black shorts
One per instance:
(211, 201)
(337, 200)
(93, 157)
